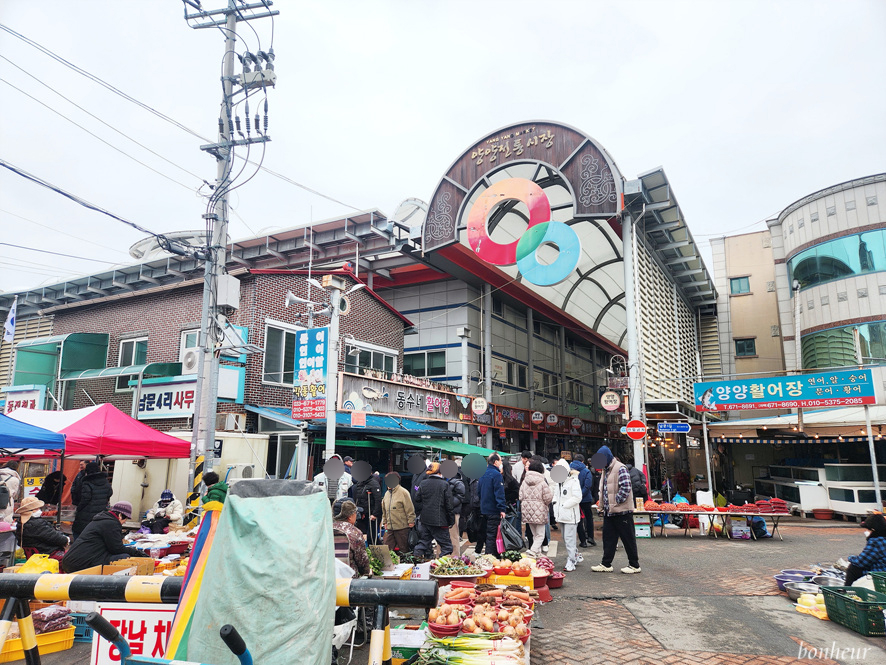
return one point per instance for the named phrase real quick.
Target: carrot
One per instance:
(497, 593)
(461, 593)
(518, 595)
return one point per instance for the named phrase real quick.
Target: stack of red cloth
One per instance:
(52, 618)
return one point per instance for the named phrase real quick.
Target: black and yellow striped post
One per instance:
(6, 617)
(26, 631)
(193, 511)
(107, 588)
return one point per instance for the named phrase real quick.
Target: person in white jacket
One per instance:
(168, 511)
(9, 477)
(567, 512)
(334, 489)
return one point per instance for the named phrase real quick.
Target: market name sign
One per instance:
(821, 390)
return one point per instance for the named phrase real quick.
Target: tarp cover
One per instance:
(270, 573)
(105, 430)
(15, 435)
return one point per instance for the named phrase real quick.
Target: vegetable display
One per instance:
(447, 565)
(512, 555)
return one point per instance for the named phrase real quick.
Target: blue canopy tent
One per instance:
(19, 439)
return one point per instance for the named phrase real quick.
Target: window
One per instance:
(425, 363)
(813, 217)
(839, 258)
(745, 347)
(850, 205)
(831, 210)
(497, 308)
(739, 285)
(132, 352)
(871, 200)
(382, 360)
(521, 376)
(188, 341)
(836, 347)
(279, 356)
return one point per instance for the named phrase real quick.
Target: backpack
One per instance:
(5, 496)
(638, 482)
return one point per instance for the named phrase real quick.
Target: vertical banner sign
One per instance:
(309, 391)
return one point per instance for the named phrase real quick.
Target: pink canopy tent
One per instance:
(105, 431)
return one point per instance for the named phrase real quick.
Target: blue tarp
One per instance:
(15, 435)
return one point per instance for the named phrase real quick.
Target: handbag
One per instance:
(474, 527)
(499, 541)
(511, 536)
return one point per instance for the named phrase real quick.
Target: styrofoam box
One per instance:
(642, 531)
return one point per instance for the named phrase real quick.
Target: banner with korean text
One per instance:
(819, 390)
(309, 390)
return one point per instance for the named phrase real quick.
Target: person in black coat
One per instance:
(36, 535)
(433, 506)
(101, 542)
(77, 483)
(367, 496)
(95, 493)
(51, 489)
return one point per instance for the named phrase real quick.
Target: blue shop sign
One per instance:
(820, 390)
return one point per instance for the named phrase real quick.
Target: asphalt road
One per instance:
(697, 600)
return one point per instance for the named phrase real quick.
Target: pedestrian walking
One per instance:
(512, 493)
(535, 497)
(457, 486)
(617, 506)
(397, 514)
(367, 498)
(567, 511)
(491, 489)
(586, 482)
(433, 505)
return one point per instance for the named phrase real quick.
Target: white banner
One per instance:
(145, 626)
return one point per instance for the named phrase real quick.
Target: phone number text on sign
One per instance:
(825, 389)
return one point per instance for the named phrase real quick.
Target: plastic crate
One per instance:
(59, 640)
(879, 582)
(864, 616)
(82, 631)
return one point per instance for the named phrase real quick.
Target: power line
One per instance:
(160, 115)
(92, 115)
(46, 251)
(55, 230)
(78, 200)
(96, 136)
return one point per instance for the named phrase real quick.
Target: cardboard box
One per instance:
(642, 531)
(421, 571)
(143, 565)
(405, 644)
(108, 570)
(642, 519)
(740, 531)
(402, 571)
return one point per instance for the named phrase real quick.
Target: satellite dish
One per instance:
(410, 215)
(149, 248)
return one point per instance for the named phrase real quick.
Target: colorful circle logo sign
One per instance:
(541, 230)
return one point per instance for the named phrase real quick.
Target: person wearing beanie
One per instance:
(433, 505)
(101, 542)
(873, 556)
(166, 512)
(397, 514)
(617, 505)
(95, 492)
(344, 518)
(37, 536)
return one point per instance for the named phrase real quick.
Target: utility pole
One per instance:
(216, 216)
(859, 358)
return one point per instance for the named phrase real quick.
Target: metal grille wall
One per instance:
(711, 364)
(32, 328)
(668, 339)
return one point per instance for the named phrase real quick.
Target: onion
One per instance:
(520, 630)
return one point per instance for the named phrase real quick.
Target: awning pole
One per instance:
(61, 489)
(707, 452)
(867, 422)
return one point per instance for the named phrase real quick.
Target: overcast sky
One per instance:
(747, 105)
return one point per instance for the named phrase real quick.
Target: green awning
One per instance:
(443, 445)
(149, 370)
(345, 443)
(38, 361)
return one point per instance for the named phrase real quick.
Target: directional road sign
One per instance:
(673, 428)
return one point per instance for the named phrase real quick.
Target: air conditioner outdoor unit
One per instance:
(190, 360)
(230, 422)
(240, 472)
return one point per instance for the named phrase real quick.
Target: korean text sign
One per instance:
(144, 625)
(309, 391)
(167, 400)
(819, 390)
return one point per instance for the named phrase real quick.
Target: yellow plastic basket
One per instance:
(59, 640)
